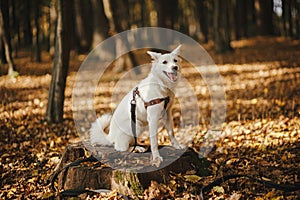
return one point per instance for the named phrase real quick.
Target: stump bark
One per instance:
(127, 173)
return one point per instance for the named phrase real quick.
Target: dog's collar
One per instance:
(152, 102)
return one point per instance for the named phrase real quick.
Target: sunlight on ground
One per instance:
(262, 127)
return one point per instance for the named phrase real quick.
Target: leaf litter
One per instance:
(260, 135)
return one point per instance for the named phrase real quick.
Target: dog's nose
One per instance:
(175, 68)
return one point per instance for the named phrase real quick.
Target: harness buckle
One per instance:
(134, 93)
(133, 101)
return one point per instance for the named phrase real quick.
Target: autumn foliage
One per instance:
(260, 135)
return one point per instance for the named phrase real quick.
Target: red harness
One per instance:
(151, 102)
(146, 104)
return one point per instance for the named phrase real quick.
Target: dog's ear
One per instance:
(176, 51)
(154, 55)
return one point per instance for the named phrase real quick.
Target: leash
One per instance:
(152, 102)
(76, 192)
(133, 117)
(282, 187)
(206, 188)
(218, 181)
(75, 163)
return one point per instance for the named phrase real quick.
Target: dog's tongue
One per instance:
(173, 76)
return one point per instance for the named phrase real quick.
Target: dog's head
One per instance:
(166, 66)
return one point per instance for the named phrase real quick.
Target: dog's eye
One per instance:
(175, 60)
(165, 62)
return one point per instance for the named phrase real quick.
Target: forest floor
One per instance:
(261, 130)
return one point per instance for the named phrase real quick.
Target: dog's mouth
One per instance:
(171, 75)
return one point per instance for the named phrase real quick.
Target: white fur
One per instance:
(160, 83)
(97, 134)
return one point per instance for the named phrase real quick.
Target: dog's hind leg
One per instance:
(122, 141)
(120, 138)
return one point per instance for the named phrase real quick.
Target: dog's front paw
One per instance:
(181, 146)
(176, 145)
(156, 161)
(138, 149)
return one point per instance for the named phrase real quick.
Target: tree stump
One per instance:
(127, 173)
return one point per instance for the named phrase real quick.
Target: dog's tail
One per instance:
(97, 134)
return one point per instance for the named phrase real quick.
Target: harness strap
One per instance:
(133, 121)
(157, 101)
(151, 102)
(146, 105)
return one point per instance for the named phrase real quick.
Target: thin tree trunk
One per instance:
(287, 18)
(55, 106)
(297, 7)
(27, 30)
(203, 15)
(264, 16)
(145, 14)
(166, 12)
(16, 28)
(53, 26)
(251, 18)
(2, 51)
(118, 23)
(5, 36)
(101, 26)
(37, 49)
(221, 26)
(84, 24)
(240, 19)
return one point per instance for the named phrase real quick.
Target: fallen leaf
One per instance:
(192, 178)
(218, 189)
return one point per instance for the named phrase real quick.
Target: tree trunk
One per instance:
(166, 12)
(60, 66)
(16, 28)
(2, 52)
(264, 16)
(221, 26)
(164, 20)
(5, 35)
(101, 26)
(251, 18)
(27, 30)
(120, 14)
(240, 19)
(53, 26)
(287, 18)
(145, 13)
(84, 24)
(297, 7)
(37, 48)
(118, 22)
(203, 18)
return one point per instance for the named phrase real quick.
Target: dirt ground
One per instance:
(260, 134)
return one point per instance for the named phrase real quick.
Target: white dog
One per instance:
(152, 96)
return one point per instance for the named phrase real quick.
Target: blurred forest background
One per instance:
(32, 24)
(255, 44)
